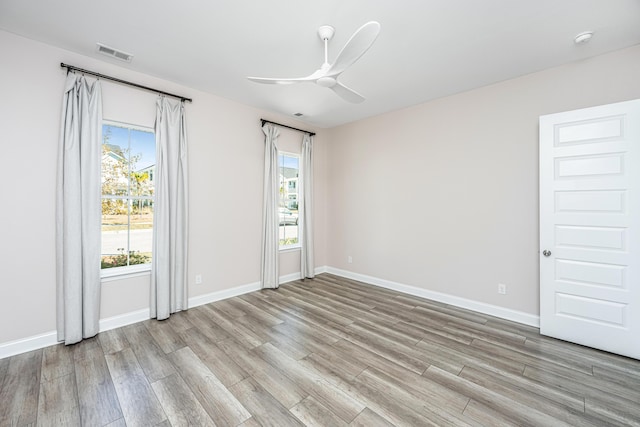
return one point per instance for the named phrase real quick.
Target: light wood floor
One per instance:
(329, 352)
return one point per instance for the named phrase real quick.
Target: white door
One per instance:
(590, 227)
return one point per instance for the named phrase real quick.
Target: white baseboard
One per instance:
(11, 348)
(243, 289)
(481, 307)
(223, 294)
(320, 270)
(36, 342)
(290, 278)
(124, 319)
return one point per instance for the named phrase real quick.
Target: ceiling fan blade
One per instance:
(275, 81)
(347, 94)
(287, 81)
(357, 45)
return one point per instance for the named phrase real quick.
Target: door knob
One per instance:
(546, 252)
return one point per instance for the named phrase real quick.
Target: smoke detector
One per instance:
(583, 37)
(114, 53)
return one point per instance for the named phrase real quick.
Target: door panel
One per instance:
(592, 310)
(610, 201)
(590, 273)
(590, 224)
(579, 166)
(586, 237)
(597, 130)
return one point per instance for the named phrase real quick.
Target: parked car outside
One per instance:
(287, 217)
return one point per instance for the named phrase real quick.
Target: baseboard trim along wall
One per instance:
(36, 342)
(47, 339)
(24, 345)
(243, 289)
(484, 308)
(124, 319)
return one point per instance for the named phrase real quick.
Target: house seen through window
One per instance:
(288, 169)
(128, 166)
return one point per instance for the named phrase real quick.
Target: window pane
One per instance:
(128, 166)
(115, 169)
(141, 232)
(288, 209)
(288, 234)
(115, 233)
(143, 162)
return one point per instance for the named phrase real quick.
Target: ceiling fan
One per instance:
(327, 75)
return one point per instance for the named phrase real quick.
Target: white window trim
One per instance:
(290, 248)
(127, 271)
(125, 125)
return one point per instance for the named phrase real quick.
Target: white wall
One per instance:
(443, 196)
(225, 173)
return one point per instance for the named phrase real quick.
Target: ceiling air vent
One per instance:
(114, 53)
(298, 114)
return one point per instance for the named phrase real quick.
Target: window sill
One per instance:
(118, 273)
(289, 248)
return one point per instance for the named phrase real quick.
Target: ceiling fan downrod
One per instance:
(326, 33)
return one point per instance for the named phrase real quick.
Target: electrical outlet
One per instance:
(349, 259)
(198, 279)
(502, 289)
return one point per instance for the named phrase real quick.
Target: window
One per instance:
(128, 165)
(288, 168)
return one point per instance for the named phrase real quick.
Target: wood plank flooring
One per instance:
(321, 352)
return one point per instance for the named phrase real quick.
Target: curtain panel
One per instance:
(269, 271)
(78, 211)
(170, 220)
(307, 267)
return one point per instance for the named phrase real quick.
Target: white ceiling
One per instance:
(426, 49)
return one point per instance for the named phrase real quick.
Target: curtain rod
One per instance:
(102, 76)
(288, 127)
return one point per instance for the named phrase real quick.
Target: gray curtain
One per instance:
(170, 218)
(269, 274)
(78, 211)
(307, 267)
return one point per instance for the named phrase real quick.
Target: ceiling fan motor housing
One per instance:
(326, 81)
